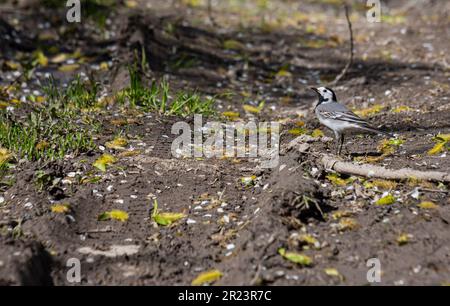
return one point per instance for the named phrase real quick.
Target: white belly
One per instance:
(339, 126)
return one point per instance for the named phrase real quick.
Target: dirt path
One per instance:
(399, 81)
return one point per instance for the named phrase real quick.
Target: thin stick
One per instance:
(350, 60)
(210, 15)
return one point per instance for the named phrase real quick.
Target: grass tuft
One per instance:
(157, 97)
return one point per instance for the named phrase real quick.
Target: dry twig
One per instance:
(332, 163)
(350, 60)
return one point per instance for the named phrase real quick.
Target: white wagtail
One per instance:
(338, 118)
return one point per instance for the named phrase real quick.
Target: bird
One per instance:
(338, 118)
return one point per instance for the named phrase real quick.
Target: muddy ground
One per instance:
(250, 52)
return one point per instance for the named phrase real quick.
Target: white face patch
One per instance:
(326, 94)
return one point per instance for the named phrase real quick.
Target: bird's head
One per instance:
(326, 94)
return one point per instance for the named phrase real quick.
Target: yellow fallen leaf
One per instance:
(104, 66)
(403, 239)
(230, 115)
(348, 224)
(283, 73)
(297, 131)
(207, 277)
(388, 146)
(192, 3)
(337, 180)
(165, 218)
(115, 214)
(298, 258)
(41, 59)
(129, 153)
(333, 272)
(438, 148)
(60, 58)
(103, 161)
(251, 109)
(40, 99)
(443, 137)
(60, 208)
(393, 19)
(386, 200)
(68, 67)
(254, 109)
(428, 205)
(401, 109)
(5, 156)
(383, 184)
(118, 143)
(317, 133)
(375, 109)
(310, 240)
(131, 3)
(341, 214)
(12, 65)
(3, 104)
(232, 44)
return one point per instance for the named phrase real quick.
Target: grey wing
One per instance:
(340, 112)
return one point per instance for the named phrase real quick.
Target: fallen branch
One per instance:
(366, 170)
(350, 60)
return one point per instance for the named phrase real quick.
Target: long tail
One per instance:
(376, 131)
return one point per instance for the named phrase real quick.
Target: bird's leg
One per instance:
(341, 144)
(338, 141)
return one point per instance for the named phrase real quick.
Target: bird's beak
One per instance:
(315, 89)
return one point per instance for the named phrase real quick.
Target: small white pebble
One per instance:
(71, 174)
(118, 201)
(190, 221)
(415, 194)
(230, 246)
(101, 148)
(28, 205)
(226, 219)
